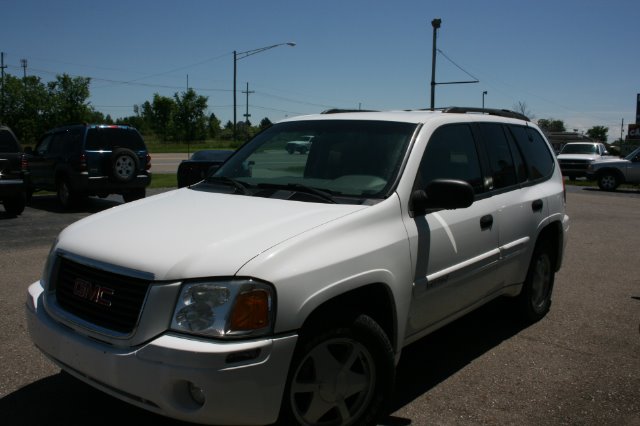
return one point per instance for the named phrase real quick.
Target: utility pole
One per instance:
(23, 64)
(621, 130)
(2, 67)
(247, 115)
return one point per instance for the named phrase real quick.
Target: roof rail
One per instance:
(340, 110)
(489, 111)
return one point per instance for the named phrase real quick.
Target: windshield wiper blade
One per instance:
(241, 187)
(298, 187)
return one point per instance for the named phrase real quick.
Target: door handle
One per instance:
(537, 205)
(486, 222)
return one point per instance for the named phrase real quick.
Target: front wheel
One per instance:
(342, 375)
(608, 182)
(535, 299)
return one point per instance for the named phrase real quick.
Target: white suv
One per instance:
(285, 286)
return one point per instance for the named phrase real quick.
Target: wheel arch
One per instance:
(554, 235)
(374, 300)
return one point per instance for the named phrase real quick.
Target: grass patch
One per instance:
(164, 180)
(155, 146)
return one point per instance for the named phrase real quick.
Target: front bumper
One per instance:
(242, 382)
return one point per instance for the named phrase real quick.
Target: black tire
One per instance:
(291, 149)
(66, 197)
(134, 194)
(608, 181)
(535, 299)
(340, 375)
(125, 165)
(14, 206)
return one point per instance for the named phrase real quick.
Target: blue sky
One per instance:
(577, 61)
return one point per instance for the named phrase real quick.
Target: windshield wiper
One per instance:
(298, 187)
(241, 187)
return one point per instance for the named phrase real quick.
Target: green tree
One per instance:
(69, 100)
(189, 117)
(160, 116)
(598, 133)
(551, 125)
(264, 123)
(214, 126)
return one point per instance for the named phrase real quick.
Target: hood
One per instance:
(189, 234)
(611, 160)
(589, 157)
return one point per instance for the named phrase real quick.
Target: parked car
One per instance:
(14, 175)
(200, 164)
(302, 146)
(613, 172)
(575, 157)
(91, 159)
(290, 292)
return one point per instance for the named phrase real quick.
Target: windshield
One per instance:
(633, 155)
(579, 148)
(341, 158)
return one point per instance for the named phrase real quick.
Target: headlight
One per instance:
(233, 308)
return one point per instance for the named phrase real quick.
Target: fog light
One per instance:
(197, 394)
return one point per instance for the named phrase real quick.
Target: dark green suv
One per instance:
(89, 159)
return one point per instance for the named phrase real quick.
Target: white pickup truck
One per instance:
(612, 172)
(287, 290)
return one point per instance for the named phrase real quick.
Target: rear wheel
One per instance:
(535, 299)
(66, 197)
(340, 375)
(14, 206)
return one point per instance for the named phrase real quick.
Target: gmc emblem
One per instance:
(92, 292)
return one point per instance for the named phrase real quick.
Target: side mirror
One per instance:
(440, 194)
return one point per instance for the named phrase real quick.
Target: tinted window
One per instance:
(110, 138)
(7, 142)
(503, 171)
(534, 150)
(451, 154)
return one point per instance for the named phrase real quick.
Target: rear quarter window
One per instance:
(535, 152)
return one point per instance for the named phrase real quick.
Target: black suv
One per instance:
(13, 173)
(89, 159)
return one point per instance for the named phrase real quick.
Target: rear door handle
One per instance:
(486, 222)
(537, 205)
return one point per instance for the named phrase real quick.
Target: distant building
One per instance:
(559, 139)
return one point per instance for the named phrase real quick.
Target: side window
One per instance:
(451, 154)
(55, 145)
(534, 150)
(7, 142)
(503, 170)
(43, 146)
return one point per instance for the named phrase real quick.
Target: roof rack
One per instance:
(340, 110)
(489, 111)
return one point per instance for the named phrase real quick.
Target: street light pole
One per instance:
(483, 95)
(241, 55)
(435, 24)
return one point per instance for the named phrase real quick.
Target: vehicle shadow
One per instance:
(62, 400)
(431, 360)
(87, 205)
